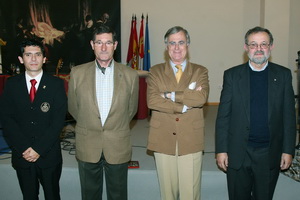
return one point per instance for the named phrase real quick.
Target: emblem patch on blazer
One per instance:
(45, 107)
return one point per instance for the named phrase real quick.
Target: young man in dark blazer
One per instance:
(256, 125)
(32, 116)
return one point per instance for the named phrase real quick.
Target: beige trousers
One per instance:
(179, 176)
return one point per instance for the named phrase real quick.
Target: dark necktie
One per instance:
(102, 69)
(32, 90)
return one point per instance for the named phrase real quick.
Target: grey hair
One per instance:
(258, 29)
(177, 29)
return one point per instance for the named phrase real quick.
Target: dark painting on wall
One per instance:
(64, 27)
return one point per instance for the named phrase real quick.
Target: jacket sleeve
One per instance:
(223, 116)
(154, 99)
(289, 118)
(72, 100)
(13, 134)
(192, 97)
(133, 102)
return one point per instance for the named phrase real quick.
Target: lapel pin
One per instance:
(44, 87)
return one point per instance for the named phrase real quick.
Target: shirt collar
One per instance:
(98, 64)
(108, 69)
(258, 70)
(183, 65)
(37, 78)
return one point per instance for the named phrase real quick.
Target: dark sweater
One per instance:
(259, 131)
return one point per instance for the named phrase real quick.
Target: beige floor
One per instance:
(287, 188)
(140, 133)
(143, 183)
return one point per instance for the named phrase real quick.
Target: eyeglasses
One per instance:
(180, 43)
(100, 43)
(255, 46)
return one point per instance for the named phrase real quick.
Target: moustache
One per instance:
(259, 52)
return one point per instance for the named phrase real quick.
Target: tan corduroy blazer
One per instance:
(168, 124)
(113, 139)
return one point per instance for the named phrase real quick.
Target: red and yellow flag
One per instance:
(133, 48)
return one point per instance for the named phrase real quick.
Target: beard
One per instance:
(259, 60)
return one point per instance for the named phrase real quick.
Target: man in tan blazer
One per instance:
(103, 97)
(176, 95)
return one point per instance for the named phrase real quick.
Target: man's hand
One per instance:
(199, 88)
(166, 95)
(222, 161)
(30, 155)
(286, 161)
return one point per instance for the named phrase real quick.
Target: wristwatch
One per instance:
(166, 95)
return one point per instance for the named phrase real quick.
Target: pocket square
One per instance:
(192, 86)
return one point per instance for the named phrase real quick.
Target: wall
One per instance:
(217, 29)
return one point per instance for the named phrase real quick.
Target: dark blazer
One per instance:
(113, 139)
(38, 124)
(233, 119)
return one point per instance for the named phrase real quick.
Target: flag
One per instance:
(146, 61)
(141, 41)
(135, 47)
(130, 47)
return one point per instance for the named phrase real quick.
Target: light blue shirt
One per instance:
(183, 66)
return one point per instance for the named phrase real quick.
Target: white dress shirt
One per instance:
(37, 78)
(104, 90)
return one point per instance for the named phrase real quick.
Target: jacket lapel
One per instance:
(169, 73)
(118, 79)
(272, 87)
(91, 84)
(23, 89)
(244, 88)
(42, 87)
(186, 77)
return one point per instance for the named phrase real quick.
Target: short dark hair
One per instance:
(177, 29)
(100, 29)
(258, 29)
(88, 18)
(31, 42)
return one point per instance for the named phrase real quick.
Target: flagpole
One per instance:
(147, 63)
(130, 43)
(141, 43)
(135, 58)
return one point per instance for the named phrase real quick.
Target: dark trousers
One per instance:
(91, 180)
(30, 179)
(254, 180)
